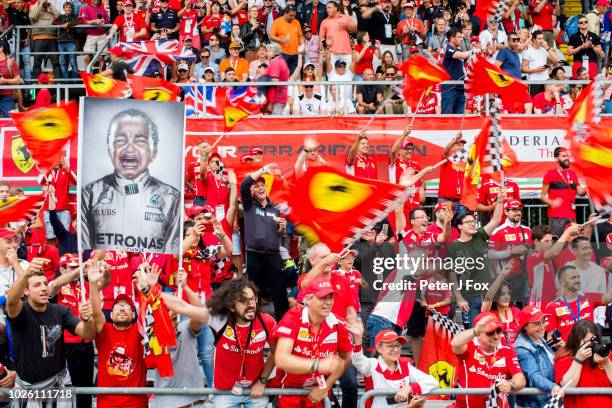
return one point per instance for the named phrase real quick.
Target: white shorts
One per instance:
(94, 43)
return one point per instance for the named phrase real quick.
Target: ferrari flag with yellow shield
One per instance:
(482, 77)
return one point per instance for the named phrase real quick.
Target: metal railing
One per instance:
(482, 391)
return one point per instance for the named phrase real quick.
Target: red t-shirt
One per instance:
(478, 369)
(195, 178)
(70, 295)
(47, 251)
(506, 236)
(364, 167)
(278, 68)
(128, 26)
(216, 192)
(561, 318)
(451, 180)
(488, 191)
(166, 263)
(121, 278)
(511, 329)
(8, 74)
(589, 377)
(189, 23)
(546, 106)
(542, 279)
(343, 297)
(433, 296)
(229, 355)
(211, 22)
(366, 61)
(562, 184)
(120, 365)
(544, 17)
(409, 167)
(353, 278)
(332, 338)
(435, 228)
(413, 25)
(198, 273)
(61, 180)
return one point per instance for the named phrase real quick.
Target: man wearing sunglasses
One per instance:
(485, 360)
(508, 58)
(585, 47)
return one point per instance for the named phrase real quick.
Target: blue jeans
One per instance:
(376, 324)
(608, 105)
(453, 101)
(68, 59)
(26, 66)
(238, 401)
(468, 317)
(6, 104)
(206, 343)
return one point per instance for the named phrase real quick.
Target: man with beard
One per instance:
(130, 209)
(37, 329)
(559, 189)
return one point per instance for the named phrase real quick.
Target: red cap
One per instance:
(124, 297)
(439, 206)
(530, 314)
(413, 48)
(406, 143)
(43, 78)
(7, 233)
(319, 287)
(512, 204)
(69, 259)
(603, 3)
(609, 238)
(197, 209)
(494, 324)
(387, 336)
(474, 38)
(246, 158)
(255, 150)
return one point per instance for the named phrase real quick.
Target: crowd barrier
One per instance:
(482, 391)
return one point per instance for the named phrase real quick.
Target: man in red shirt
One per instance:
(58, 180)
(400, 163)
(559, 189)
(313, 347)
(452, 172)
(196, 171)
(359, 163)
(483, 360)
(544, 14)
(437, 227)
(487, 194)
(277, 71)
(132, 26)
(419, 236)
(571, 305)
(511, 240)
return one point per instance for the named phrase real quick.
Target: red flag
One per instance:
(437, 357)
(587, 106)
(486, 9)
(469, 193)
(152, 89)
(155, 326)
(419, 74)
(591, 147)
(328, 206)
(15, 209)
(241, 102)
(483, 77)
(45, 131)
(103, 87)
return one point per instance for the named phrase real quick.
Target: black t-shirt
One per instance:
(369, 92)
(378, 27)
(166, 19)
(454, 67)
(119, 70)
(38, 340)
(578, 39)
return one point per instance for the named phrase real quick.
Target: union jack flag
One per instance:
(246, 98)
(146, 57)
(200, 99)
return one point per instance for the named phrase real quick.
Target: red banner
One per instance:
(532, 138)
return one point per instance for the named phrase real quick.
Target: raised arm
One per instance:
(350, 158)
(95, 276)
(497, 213)
(398, 144)
(14, 304)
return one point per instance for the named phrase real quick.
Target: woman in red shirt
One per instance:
(498, 300)
(212, 23)
(364, 54)
(578, 365)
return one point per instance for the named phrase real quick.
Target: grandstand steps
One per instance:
(572, 7)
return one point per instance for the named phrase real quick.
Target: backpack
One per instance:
(571, 26)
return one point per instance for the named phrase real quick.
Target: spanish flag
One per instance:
(46, 130)
(103, 87)
(152, 89)
(329, 206)
(20, 208)
(587, 106)
(483, 77)
(420, 75)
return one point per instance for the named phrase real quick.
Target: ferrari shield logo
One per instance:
(21, 156)
(443, 372)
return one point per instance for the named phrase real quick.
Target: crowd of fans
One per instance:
(320, 40)
(261, 307)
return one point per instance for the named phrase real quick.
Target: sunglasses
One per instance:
(583, 22)
(182, 70)
(390, 74)
(497, 331)
(204, 56)
(514, 39)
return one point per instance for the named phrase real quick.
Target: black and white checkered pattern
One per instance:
(444, 323)
(493, 156)
(493, 394)
(499, 8)
(555, 402)
(459, 156)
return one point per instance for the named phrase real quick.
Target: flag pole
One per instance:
(218, 140)
(388, 96)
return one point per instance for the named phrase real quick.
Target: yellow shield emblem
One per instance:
(49, 124)
(443, 372)
(332, 192)
(21, 156)
(101, 84)
(156, 94)
(500, 79)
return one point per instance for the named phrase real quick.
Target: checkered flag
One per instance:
(459, 156)
(555, 402)
(444, 323)
(493, 394)
(493, 155)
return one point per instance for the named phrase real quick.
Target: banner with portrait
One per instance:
(130, 175)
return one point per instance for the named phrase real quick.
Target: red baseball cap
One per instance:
(197, 209)
(495, 322)
(406, 144)
(117, 50)
(124, 297)
(474, 38)
(439, 206)
(609, 238)
(255, 150)
(530, 314)
(512, 204)
(387, 336)
(69, 259)
(246, 158)
(7, 233)
(320, 287)
(603, 3)
(413, 48)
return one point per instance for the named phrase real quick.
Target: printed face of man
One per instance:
(131, 148)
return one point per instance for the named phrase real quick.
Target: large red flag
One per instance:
(419, 74)
(45, 131)
(103, 87)
(15, 209)
(587, 106)
(152, 89)
(486, 9)
(437, 357)
(329, 206)
(483, 77)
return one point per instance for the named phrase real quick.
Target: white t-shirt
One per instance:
(536, 58)
(346, 90)
(340, 106)
(8, 276)
(486, 37)
(307, 106)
